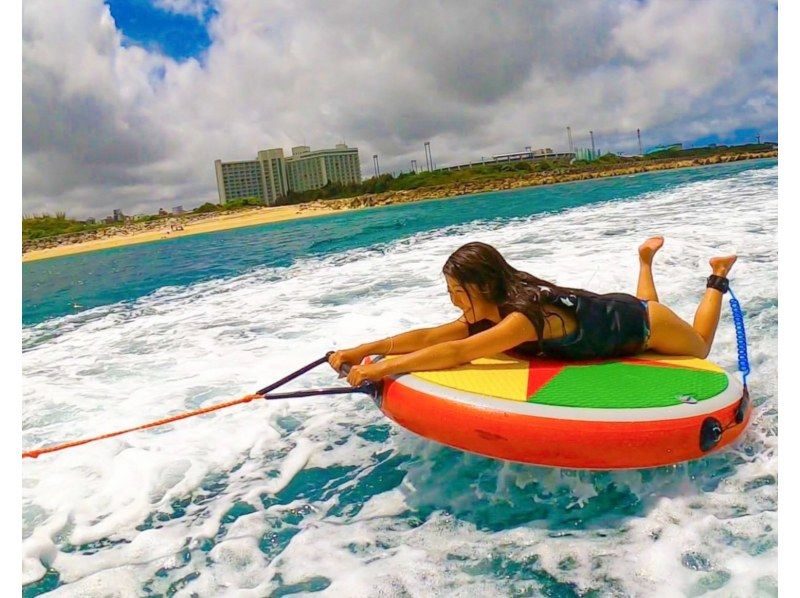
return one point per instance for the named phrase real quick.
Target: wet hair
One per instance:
(482, 266)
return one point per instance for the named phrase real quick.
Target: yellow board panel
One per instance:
(501, 376)
(506, 377)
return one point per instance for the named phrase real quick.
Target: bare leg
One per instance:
(707, 316)
(646, 287)
(670, 335)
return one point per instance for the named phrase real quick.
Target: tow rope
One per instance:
(373, 389)
(369, 388)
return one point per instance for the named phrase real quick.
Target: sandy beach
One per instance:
(256, 216)
(212, 224)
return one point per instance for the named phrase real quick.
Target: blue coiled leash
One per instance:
(711, 430)
(741, 351)
(741, 338)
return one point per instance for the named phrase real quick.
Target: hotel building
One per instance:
(271, 176)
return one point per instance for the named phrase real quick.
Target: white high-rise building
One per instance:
(271, 176)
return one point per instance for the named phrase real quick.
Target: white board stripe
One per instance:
(727, 397)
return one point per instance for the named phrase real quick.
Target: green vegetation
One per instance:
(232, 205)
(610, 158)
(243, 202)
(44, 225)
(207, 208)
(240, 203)
(703, 152)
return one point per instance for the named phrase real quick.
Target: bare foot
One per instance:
(720, 266)
(649, 248)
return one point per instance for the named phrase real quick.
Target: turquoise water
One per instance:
(326, 497)
(51, 288)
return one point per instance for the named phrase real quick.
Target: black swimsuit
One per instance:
(611, 325)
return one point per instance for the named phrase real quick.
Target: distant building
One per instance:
(588, 155)
(271, 176)
(525, 156)
(109, 220)
(162, 212)
(308, 170)
(118, 216)
(90, 221)
(177, 210)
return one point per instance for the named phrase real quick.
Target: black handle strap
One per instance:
(294, 375)
(367, 387)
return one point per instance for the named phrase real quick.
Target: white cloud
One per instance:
(106, 126)
(193, 8)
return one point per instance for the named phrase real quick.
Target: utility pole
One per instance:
(569, 140)
(639, 137)
(428, 157)
(375, 164)
(414, 166)
(591, 134)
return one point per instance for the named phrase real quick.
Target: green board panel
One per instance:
(624, 386)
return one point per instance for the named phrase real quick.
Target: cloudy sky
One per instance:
(127, 103)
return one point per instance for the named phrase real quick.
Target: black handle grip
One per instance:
(344, 370)
(373, 389)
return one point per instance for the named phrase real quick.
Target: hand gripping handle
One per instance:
(373, 389)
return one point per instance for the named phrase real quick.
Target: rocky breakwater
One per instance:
(562, 175)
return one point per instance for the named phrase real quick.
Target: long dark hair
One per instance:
(497, 281)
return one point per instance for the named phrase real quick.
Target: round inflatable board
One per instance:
(634, 412)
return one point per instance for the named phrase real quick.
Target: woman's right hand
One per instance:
(351, 356)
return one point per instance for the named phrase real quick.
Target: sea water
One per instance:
(324, 496)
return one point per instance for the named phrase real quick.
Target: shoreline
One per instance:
(265, 215)
(268, 215)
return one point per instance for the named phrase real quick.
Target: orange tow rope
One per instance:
(265, 393)
(160, 422)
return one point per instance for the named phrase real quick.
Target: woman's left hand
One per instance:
(361, 373)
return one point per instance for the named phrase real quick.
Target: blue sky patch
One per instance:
(178, 36)
(738, 137)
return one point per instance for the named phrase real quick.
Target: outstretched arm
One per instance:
(415, 340)
(513, 330)
(406, 342)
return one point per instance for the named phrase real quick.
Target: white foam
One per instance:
(294, 462)
(182, 348)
